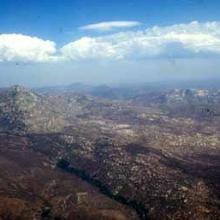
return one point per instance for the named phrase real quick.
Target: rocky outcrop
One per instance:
(22, 111)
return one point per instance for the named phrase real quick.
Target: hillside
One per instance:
(136, 156)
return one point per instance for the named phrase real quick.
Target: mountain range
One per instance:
(109, 153)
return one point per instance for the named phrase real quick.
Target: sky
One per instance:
(56, 42)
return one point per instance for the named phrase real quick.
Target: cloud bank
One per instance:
(18, 47)
(175, 41)
(109, 26)
(193, 39)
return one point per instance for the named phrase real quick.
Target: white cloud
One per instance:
(88, 48)
(111, 25)
(18, 47)
(182, 39)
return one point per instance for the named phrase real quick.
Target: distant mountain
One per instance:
(128, 91)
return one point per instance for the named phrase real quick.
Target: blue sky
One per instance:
(45, 42)
(58, 20)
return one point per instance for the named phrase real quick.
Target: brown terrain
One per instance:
(69, 155)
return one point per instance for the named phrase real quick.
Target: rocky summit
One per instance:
(150, 155)
(22, 111)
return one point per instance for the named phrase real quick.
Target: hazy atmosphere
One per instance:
(61, 42)
(109, 110)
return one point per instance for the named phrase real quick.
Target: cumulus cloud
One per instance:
(177, 40)
(18, 47)
(180, 40)
(110, 25)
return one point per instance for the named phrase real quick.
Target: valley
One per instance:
(152, 155)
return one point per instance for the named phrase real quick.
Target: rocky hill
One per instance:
(21, 110)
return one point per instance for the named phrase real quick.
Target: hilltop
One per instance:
(22, 110)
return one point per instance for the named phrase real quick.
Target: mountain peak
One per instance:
(21, 109)
(20, 97)
(18, 88)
